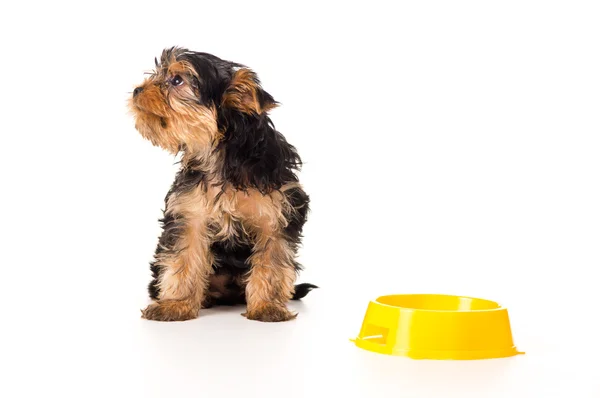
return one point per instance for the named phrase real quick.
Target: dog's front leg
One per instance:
(270, 283)
(182, 268)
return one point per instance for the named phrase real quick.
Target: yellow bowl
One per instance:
(436, 326)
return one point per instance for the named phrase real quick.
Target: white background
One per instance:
(449, 147)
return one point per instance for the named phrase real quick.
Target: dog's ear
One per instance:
(256, 155)
(245, 94)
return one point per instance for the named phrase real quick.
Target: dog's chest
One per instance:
(219, 205)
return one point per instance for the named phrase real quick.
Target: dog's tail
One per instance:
(302, 290)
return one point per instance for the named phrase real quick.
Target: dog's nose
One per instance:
(137, 91)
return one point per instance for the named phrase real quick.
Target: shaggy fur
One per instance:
(234, 215)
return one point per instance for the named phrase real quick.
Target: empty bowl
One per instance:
(436, 326)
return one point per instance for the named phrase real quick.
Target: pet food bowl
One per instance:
(435, 326)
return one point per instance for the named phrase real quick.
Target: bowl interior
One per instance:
(438, 302)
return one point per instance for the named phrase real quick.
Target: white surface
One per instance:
(450, 147)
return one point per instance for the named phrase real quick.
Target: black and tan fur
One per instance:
(234, 215)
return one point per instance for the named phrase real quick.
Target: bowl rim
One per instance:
(498, 308)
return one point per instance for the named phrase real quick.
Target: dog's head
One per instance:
(194, 102)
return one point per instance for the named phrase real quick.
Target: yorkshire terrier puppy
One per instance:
(234, 215)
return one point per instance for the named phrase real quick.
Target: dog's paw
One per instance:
(170, 311)
(270, 313)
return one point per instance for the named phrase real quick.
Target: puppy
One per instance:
(233, 218)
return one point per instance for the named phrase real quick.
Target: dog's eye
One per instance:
(177, 80)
